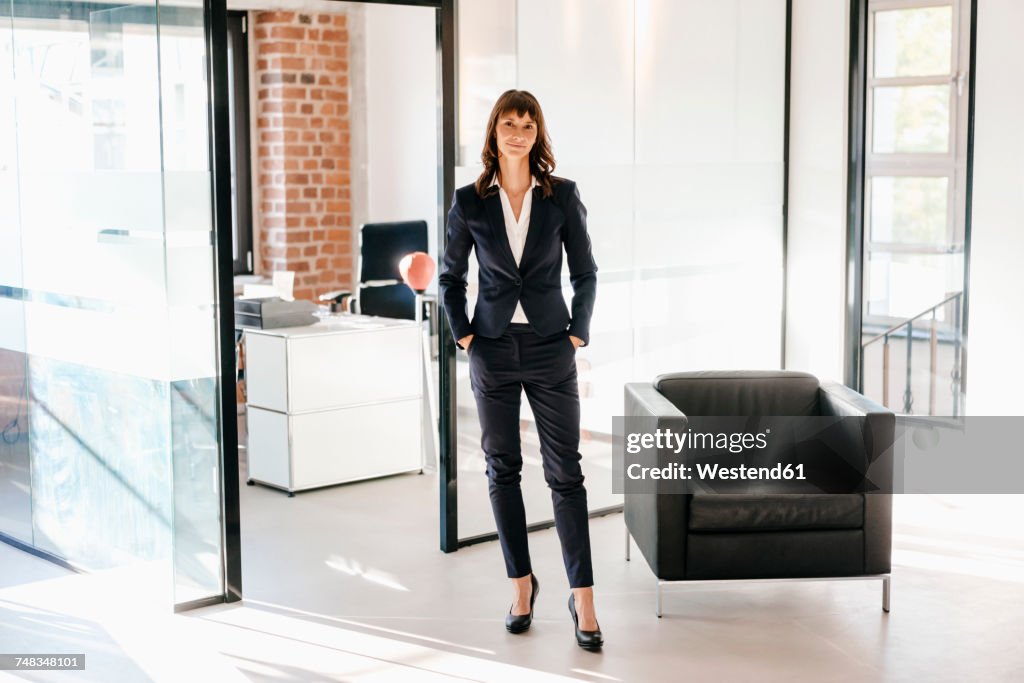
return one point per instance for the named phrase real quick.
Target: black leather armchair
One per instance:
(715, 537)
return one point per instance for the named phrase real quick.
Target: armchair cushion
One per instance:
(781, 554)
(742, 512)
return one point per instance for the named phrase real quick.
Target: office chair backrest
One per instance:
(381, 246)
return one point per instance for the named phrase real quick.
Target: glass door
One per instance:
(107, 292)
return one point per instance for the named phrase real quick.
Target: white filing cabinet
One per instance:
(333, 402)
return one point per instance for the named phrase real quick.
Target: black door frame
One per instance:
(215, 16)
(218, 123)
(237, 30)
(857, 85)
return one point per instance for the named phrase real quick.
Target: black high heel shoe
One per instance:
(588, 640)
(517, 623)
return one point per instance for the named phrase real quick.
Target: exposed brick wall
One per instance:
(303, 149)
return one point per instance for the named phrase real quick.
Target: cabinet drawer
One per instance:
(297, 452)
(326, 371)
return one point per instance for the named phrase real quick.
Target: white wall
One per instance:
(401, 117)
(995, 364)
(815, 302)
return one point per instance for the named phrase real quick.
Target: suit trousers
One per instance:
(500, 370)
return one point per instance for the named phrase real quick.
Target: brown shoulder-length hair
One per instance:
(542, 161)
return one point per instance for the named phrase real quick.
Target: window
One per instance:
(914, 196)
(914, 172)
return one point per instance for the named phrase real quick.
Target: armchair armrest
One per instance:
(878, 437)
(842, 400)
(643, 399)
(879, 426)
(658, 523)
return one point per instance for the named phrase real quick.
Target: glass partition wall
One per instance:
(109, 379)
(670, 115)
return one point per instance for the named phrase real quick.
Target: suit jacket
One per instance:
(478, 222)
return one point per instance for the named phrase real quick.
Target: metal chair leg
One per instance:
(886, 592)
(627, 544)
(657, 596)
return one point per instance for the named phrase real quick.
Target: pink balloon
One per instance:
(417, 270)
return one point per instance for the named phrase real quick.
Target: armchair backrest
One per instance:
(741, 392)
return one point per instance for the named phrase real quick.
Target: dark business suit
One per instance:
(507, 358)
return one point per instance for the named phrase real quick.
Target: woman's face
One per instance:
(515, 134)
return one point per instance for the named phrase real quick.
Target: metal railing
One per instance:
(956, 375)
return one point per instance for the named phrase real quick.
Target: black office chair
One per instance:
(381, 289)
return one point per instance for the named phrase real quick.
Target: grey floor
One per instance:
(347, 584)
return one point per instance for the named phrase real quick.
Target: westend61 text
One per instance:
(715, 472)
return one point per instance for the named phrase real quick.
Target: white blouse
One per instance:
(516, 230)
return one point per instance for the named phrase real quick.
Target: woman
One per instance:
(519, 217)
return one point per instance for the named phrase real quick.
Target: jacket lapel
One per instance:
(544, 214)
(496, 217)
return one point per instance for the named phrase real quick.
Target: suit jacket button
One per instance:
(518, 283)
